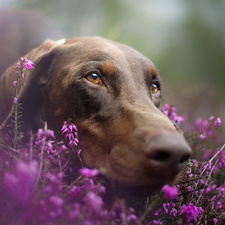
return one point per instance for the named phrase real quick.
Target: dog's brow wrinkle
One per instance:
(152, 70)
(108, 68)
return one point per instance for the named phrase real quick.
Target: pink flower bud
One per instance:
(217, 122)
(170, 192)
(14, 83)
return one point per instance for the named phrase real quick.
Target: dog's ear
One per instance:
(32, 95)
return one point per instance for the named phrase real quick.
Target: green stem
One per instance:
(31, 145)
(42, 154)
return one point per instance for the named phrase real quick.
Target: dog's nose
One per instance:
(167, 153)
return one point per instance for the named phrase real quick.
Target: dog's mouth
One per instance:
(134, 175)
(118, 185)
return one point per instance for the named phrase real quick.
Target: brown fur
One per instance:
(152, 70)
(108, 68)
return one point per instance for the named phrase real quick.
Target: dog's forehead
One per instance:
(110, 53)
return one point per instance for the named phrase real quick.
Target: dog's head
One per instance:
(112, 93)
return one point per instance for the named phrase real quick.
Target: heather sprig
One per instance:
(23, 65)
(70, 130)
(171, 113)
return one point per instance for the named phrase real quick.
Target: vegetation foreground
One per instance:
(33, 191)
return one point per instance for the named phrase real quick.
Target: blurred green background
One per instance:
(184, 39)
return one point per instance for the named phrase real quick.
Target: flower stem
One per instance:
(42, 154)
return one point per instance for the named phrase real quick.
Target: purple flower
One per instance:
(170, 112)
(101, 189)
(49, 146)
(170, 192)
(201, 124)
(202, 181)
(211, 118)
(75, 191)
(40, 133)
(165, 107)
(24, 63)
(217, 122)
(94, 201)
(209, 132)
(64, 127)
(189, 188)
(73, 142)
(215, 221)
(72, 127)
(22, 181)
(156, 222)
(28, 64)
(55, 213)
(202, 137)
(14, 83)
(75, 212)
(179, 119)
(71, 133)
(165, 208)
(15, 100)
(190, 213)
(89, 172)
(131, 217)
(173, 212)
(50, 133)
(56, 200)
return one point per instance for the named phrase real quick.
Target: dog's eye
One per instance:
(94, 78)
(155, 88)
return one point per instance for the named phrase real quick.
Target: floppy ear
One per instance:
(32, 95)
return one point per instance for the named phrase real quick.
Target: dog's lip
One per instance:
(133, 187)
(143, 191)
(133, 184)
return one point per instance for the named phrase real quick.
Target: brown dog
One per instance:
(112, 93)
